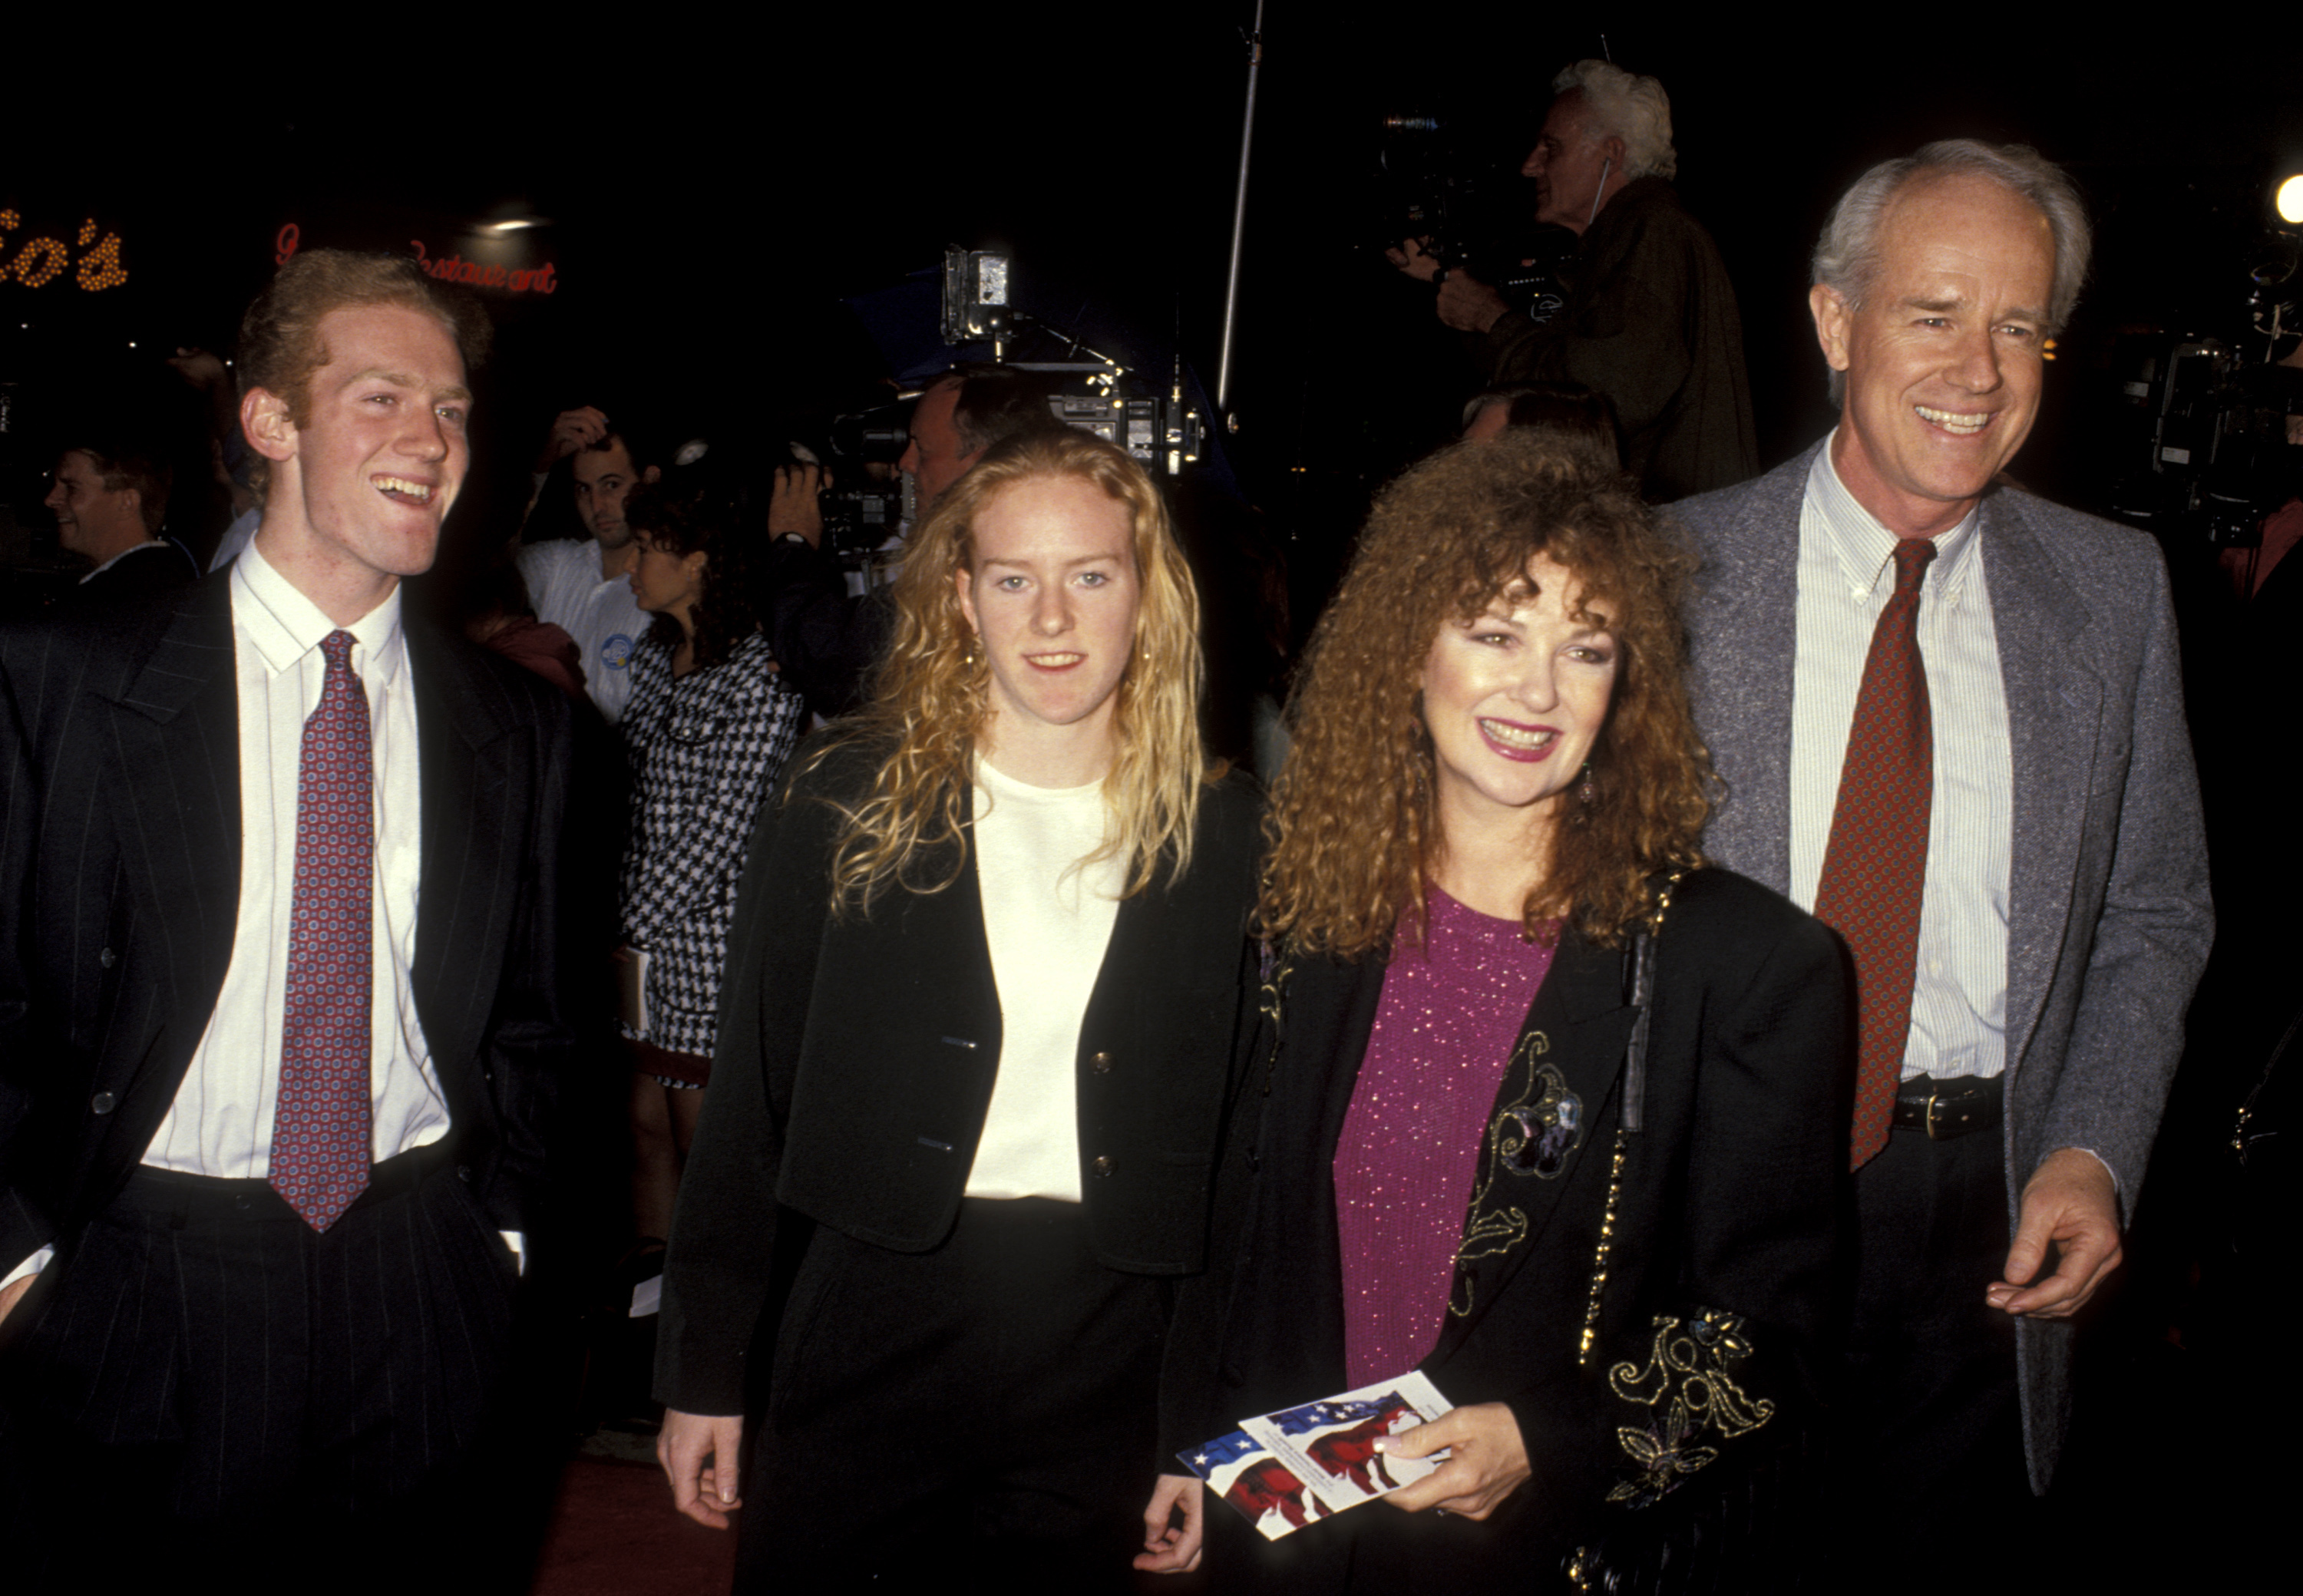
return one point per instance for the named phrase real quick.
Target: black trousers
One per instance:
(980, 1416)
(1934, 1489)
(202, 1365)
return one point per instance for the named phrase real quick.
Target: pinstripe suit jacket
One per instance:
(2108, 917)
(119, 834)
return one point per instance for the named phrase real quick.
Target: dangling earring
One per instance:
(967, 658)
(1589, 793)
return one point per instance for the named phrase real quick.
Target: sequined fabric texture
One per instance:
(1409, 1154)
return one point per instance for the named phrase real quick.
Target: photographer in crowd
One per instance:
(582, 585)
(826, 638)
(1650, 319)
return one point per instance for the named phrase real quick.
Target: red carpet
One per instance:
(613, 1531)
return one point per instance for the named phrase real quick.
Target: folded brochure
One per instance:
(1283, 1469)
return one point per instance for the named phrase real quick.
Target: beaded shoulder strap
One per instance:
(1633, 1118)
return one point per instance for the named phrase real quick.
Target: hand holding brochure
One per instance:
(1282, 1470)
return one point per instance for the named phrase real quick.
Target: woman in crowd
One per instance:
(1539, 1105)
(708, 728)
(963, 1126)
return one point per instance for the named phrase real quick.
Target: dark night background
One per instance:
(714, 191)
(712, 196)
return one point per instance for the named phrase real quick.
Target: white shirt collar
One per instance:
(150, 542)
(284, 626)
(1864, 547)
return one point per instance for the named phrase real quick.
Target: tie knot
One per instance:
(337, 647)
(1912, 557)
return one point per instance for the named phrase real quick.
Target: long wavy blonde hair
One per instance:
(1354, 826)
(932, 699)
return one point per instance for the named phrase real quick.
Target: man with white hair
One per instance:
(1949, 720)
(1649, 319)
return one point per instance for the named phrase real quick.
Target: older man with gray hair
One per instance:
(1650, 319)
(1949, 720)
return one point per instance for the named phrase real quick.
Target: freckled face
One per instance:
(1515, 699)
(381, 456)
(1944, 361)
(1053, 594)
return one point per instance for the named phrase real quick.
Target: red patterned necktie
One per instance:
(320, 1134)
(1875, 867)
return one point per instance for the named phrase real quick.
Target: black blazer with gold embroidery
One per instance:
(1723, 1252)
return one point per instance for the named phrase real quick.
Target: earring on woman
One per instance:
(1587, 794)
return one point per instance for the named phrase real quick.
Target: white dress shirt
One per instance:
(1846, 575)
(221, 1122)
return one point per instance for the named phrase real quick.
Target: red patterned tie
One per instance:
(1875, 867)
(320, 1129)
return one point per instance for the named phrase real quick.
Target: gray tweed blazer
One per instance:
(2108, 914)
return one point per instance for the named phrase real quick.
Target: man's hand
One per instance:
(706, 1494)
(199, 367)
(1413, 257)
(13, 1292)
(1490, 1461)
(793, 505)
(1469, 305)
(1167, 1548)
(2072, 1203)
(571, 430)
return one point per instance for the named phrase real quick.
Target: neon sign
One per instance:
(42, 260)
(448, 268)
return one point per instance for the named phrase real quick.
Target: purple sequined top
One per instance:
(1410, 1150)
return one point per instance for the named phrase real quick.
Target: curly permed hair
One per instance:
(1354, 827)
(931, 698)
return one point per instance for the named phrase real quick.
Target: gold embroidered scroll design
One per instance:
(1539, 1109)
(1693, 1400)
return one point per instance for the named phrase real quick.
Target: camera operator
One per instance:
(1650, 319)
(826, 640)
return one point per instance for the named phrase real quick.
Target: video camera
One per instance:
(2212, 421)
(1472, 209)
(1086, 390)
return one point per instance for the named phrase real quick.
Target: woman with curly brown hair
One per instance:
(1538, 1104)
(983, 994)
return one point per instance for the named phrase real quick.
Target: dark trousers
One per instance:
(204, 1366)
(1931, 1455)
(978, 1416)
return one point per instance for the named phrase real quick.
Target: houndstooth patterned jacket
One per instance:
(704, 749)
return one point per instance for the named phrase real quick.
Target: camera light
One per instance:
(2291, 200)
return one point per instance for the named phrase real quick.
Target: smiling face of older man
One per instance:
(1943, 357)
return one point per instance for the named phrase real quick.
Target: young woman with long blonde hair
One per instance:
(983, 986)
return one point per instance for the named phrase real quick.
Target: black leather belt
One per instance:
(1952, 1108)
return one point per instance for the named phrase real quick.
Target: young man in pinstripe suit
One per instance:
(278, 1019)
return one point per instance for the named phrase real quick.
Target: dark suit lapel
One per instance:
(173, 784)
(470, 852)
(2055, 705)
(1546, 1124)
